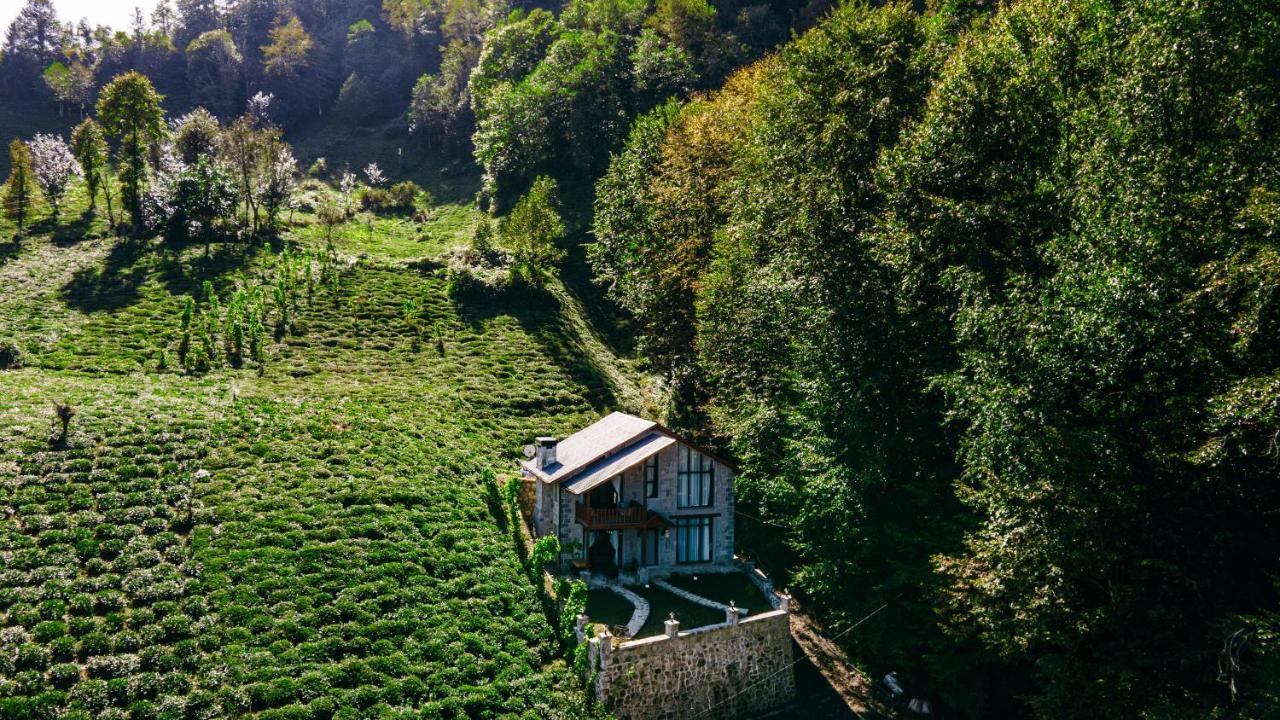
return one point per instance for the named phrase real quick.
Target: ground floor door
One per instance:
(605, 551)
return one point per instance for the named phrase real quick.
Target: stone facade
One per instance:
(737, 668)
(554, 514)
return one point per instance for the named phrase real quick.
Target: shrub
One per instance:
(64, 675)
(401, 197)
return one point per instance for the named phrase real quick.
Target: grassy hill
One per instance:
(283, 540)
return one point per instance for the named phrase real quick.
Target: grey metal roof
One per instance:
(606, 435)
(605, 468)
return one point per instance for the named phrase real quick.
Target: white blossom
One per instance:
(374, 174)
(259, 106)
(53, 165)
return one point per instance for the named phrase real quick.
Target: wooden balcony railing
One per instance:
(611, 517)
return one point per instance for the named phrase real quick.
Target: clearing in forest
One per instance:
(279, 541)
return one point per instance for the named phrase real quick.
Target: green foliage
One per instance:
(20, 189)
(288, 52)
(401, 197)
(196, 136)
(90, 148)
(983, 319)
(129, 108)
(545, 551)
(532, 230)
(200, 196)
(214, 67)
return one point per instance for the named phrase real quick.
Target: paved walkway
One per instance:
(641, 613)
(694, 598)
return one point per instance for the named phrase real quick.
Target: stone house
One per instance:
(628, 496)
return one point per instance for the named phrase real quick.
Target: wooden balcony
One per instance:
(612, 518)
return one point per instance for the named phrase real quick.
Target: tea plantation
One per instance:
(304, 536)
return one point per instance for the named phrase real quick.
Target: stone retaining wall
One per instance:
(720, 671)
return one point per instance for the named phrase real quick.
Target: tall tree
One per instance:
(289, 50)
(33, 36)
(90, 149)
(532, 230)
(214, 68)
(20, 190)
(71, 83)
(196, 17)
(129, 109)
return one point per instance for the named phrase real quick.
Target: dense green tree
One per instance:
(441, 104)
(20, 188)
(532, 230)
(71, 83)
(129, 109)
(214, 67)
(991, 325)
(90, 148)
(289, 50)
(196, 135)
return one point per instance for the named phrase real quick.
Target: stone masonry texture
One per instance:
(720, 671)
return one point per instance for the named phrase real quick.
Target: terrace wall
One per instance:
(719, 671)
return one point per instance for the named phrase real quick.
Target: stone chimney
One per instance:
(546, 452)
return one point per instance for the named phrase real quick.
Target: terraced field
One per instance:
(304, 538)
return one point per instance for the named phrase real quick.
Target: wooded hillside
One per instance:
(987, 306)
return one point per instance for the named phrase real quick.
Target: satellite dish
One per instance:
(529, 452)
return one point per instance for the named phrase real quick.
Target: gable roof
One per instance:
(591, 451)
(609, 433)
(605, 468)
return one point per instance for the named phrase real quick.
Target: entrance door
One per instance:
(606, 552)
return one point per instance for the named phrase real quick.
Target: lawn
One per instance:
(723, 588)
(607, 609)
(662, 604)
(290, 539)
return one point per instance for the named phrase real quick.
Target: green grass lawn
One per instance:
(662, 604)
(607, 609)
(283, 540)
(723, 588)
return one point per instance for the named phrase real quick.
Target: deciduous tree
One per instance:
(129, 108)
(20, 190)
(53, 166)
(90, 149)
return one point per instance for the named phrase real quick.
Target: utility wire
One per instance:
(833, 638)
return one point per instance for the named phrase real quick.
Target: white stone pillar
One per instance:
(731, 613)
(785, 603)
(673, 626)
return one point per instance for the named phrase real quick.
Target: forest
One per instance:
(982, 297)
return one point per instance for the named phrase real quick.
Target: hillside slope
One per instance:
(276, 544)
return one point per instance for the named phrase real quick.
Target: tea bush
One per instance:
(308, 540)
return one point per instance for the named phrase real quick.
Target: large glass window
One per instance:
(651, 477)
(693, 539)
(694, 479)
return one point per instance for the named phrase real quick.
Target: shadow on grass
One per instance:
(10, 250)
(117, 282)
(613, 324)
(114, 284)
(540, 316)
(69, 234)
(183, 273)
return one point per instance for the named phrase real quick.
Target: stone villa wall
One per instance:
(730, 670)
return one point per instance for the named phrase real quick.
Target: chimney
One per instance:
(546, 452)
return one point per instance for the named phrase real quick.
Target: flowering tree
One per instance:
(259, 108)
(374, 174)
(347, 185)
(53, 165)
(277, 184)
